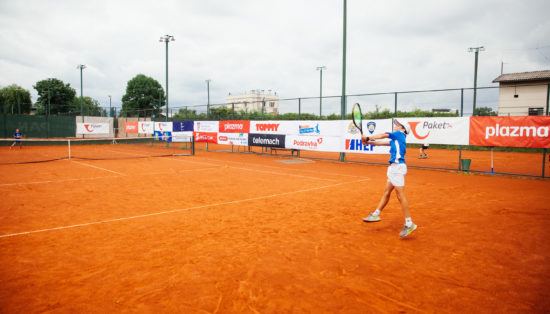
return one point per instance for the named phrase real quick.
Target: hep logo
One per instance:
(267, 127)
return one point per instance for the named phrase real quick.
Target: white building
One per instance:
(254, 101)
(523, 94)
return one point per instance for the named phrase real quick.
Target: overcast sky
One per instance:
(242, 45)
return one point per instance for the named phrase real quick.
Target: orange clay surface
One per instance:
(242, 233)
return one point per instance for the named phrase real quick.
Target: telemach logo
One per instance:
(267, 126)
(516, 131)
(266, 141)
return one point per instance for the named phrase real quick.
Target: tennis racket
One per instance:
(357, 116)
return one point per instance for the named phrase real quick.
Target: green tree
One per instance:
(484, 111)
(15, 100)
(144, 97)
(90, 107)
(59, 95)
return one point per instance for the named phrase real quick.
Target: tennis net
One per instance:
(44, 150)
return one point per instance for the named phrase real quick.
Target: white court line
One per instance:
(100, 168)
(106, 177)
(178, 210)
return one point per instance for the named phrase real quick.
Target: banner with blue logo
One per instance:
(182, 126)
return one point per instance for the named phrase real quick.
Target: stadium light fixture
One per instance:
(476, 50)
(166, 39)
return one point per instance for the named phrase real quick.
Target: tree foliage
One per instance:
(57, 94)
(15, 100)
(484, 111)
(90, 107)
(144, 97)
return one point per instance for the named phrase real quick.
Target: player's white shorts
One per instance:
(396, 174)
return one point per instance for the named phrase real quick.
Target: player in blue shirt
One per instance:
(17, 137)
(396, 172)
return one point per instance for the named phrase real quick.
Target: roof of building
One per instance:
(523, 77)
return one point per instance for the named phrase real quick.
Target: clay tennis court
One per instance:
(242, 233)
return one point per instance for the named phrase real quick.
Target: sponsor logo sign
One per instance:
(92, 128)
(266, 127)
(510, 131)
(146, 127)
(316, 143)
(182, 126)
(206, 137)
(309, 129)
(234, 127)
(267, 140)
(206, 126)
(163, 126)
(130, 127)
(163, 136)
(449, 131)
(237, 139)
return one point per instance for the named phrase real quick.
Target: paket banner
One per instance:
(446, 131)
(92, 128)
(526, 131)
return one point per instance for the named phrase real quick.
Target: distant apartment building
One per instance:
(523, 94)
(255, 100)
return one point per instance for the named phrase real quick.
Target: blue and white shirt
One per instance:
(398, 147)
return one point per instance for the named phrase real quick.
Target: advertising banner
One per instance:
(183, 126)
(526, 131)
(351, 139)
(446, 131)
(266, 140)
(237, 139)
(206, 137)
(163, 136)
(317, 128)
(130, 127)
(206, 126)
(92, 128)
(163, 126)
(315, 143)
(146, 127)
(234, 127)
(186, 136)
(273, 127)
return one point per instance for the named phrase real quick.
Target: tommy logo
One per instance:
(267, 127)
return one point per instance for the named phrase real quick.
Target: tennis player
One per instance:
(423, 149)
(396, 173)
(17, 137)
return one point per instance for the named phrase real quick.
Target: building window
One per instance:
(272, 104)
(536, 111)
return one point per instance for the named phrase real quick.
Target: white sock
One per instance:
(376, 213)
(408, 222)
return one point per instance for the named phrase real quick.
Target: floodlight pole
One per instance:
(476, 50)
(343, 103)
(208, 99)
(321, 91)
(109, 105)
(166, 39)
(81, 67)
